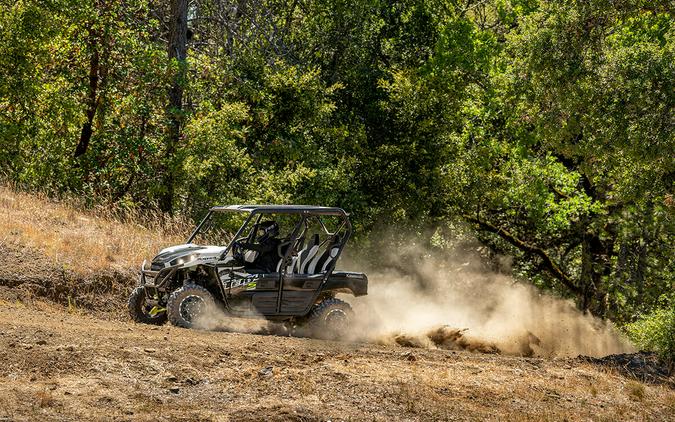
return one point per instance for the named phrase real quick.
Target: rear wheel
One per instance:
(144, 309)
(189, 306)
(330, 319)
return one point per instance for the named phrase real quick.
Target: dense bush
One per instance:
(656, 332)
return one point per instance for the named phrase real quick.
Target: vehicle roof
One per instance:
(283, 209)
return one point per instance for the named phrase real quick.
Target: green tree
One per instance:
(570, 158)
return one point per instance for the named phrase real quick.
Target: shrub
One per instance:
(656, 332)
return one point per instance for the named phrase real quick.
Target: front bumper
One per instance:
(147, 278)
(151, 278)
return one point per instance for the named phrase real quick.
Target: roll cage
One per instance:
(307, 214)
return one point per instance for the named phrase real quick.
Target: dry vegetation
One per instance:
(84, 241)
(78, 257)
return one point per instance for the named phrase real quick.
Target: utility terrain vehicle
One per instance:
(279, 265)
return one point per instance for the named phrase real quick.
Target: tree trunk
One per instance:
(177, 51)
(92, 96)
(638, 273)
(596, 258)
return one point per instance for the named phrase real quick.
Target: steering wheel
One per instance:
(238, 249)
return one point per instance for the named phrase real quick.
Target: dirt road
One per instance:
(56, 365)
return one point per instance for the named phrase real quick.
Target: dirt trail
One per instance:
(70, 366)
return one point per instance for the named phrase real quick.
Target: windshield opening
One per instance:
(219, 229)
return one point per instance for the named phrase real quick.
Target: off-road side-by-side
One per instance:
(69, 366)
(280, 272)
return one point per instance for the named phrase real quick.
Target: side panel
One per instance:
(265, 302)
(299, 292)
(250, 293)
(266, 293)
(347, 282)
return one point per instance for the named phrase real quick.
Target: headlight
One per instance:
(183, 259)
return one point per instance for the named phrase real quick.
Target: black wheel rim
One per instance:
(191, 307)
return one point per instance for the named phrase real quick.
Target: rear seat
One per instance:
(299, 263)
(321, 262)
(310, 260)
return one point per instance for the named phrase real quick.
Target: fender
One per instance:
(347, 282)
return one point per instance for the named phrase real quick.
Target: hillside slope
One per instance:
(59, 251)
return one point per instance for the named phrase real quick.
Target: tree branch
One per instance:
(549, 264)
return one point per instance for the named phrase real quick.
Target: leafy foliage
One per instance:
(656, 331)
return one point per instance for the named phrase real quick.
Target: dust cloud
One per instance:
(214, 318)
(459, 304)
(455, 302)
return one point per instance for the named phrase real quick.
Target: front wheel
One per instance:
(143, 309)
(190, 306)
(330, 319)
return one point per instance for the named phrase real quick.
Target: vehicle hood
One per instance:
(205, 253)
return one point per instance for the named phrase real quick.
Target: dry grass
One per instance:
(670, 404)
(593, 391)
(84, 240)
(45, 399)
(635, 390)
